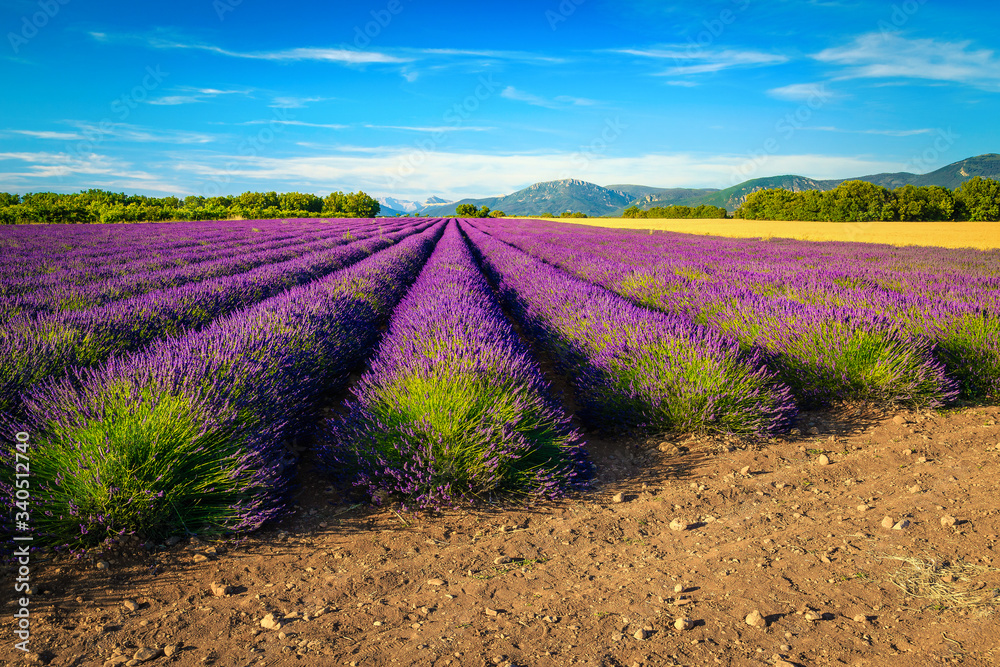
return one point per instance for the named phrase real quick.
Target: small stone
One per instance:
(899, 419)
(888, 522)
(863, 508)
(907, 452)
(678, 524)
(550, 619)
(617, 636)
(641, 634)
(200, 558)
(618, 498)
(683, 624)
(948, 578)
(221, 590)
(170, 649)
(922, 459)
(860, 618)
(131, 605)
(785, 647)
(905, 523)
(146, 653)
(948, 521)
(783, 663)
(103, 565)
(679, 588)
(756, 619)
(270, 622)
(502, 560)
(813, 430)
(116, 661)
(823, 460)
(745, 470)
(435, 582)
(915, 488)
(492, 612)
(812, 616)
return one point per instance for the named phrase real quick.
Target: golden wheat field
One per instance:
(983, 235)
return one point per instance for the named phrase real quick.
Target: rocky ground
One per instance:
(866, 539)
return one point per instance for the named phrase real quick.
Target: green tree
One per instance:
(861, 201)
(978, 200)
(632, 212)
(467, 211)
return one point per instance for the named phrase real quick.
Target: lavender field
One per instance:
(164, 372)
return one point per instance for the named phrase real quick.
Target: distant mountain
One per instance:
(549, 197)
(400, 206)
(950, 176)
(574, 195)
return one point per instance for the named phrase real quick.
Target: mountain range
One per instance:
(610, 200)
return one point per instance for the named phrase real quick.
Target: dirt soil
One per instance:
(846, 558)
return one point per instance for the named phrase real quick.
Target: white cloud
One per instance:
(803, 92)
(95, 133)
(410, 173)
(291, 102)
(192, 95)
(878, 55)
(97, 171)
(688, 61)
(341, 56)
(302, 123)
(558, 102)
(521, 56)
(683, 84)
(43, 134)
(432, 129)
(886, 133)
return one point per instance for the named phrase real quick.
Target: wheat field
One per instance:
(982, 235)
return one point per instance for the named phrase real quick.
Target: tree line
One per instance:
(97, 206)
(703, 211)
(977, 199)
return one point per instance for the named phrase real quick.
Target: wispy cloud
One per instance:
(301, 123)
(558, 102)
(289, 102)
(432, 129)
(454, 174)
(341, 56)
(46, 134)
(689, 61)
(100, 170)
(519, 56)
(137, 134)
(878, 55)
(803, 92)
(193, 95)
(886, 133)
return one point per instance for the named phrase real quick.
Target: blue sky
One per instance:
(411, 99)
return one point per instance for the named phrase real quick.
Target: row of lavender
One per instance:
(837, 321)
(96, 284)
(35, 347)
(189, 433)
(29, 250)
(453, 407)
